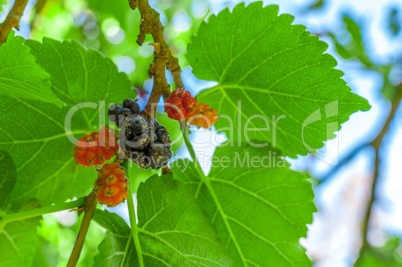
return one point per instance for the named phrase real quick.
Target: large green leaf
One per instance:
(117, 248)
(35, 133)
(8, 177)
(172, 230)
(79, 76)
(20, 76)
(279, 75)
(18, 240)
(258, 206)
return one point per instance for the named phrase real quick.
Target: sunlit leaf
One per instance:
(8, 177)
(271, 75)
(36, 134)
(18, 240)
(258, 206)
(172, 230)
(20, 76)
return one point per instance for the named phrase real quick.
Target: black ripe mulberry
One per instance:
(118, 113)
(143, 141)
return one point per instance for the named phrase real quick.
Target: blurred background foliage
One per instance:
(112, 28)
(371, 60)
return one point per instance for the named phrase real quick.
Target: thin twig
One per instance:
(12, 20)
(163, 58)
(89, 208)
(376, 144)
(345, 160)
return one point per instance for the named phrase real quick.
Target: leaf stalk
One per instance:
(12, 217)
(132, 217)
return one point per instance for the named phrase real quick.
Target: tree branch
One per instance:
(345, 160)
(376, 144)
(163, 58)
(12, 20)
(89, 208)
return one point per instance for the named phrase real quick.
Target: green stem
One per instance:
(133, 220)
(190, 148)
(38, 212)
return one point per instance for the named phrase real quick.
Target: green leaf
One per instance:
(389, 90)
(117, 10)
(173, 128)
(384, 256)
(117, 247)
(78, 75)
(317, 4)
(2, 3)
(18, 240)
(141, 175)
(20, 76)
(355, 48)
(36, 134)
(8, 177)
(339, 48)
(172, 229)
(394, 23)
(258, 206)
(278, 72)
(356, 45)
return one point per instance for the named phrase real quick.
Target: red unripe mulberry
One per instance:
(95, 148)
(112, 185)
(180, 105)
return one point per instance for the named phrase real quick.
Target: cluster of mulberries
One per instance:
(112, 185)
(118, 113)
(182, 106)
(143, 141)
(95, 148)
(204, 116)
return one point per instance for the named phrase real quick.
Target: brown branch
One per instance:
(376, 144)
(163, 58)
(89, 208)
(12, 20)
